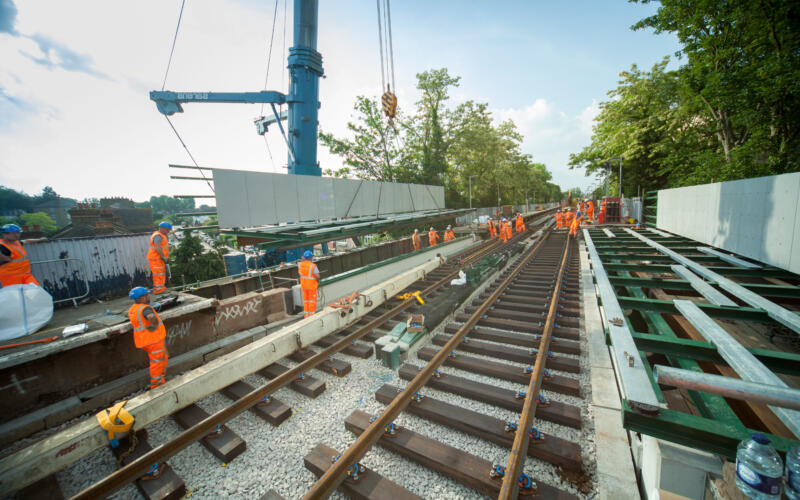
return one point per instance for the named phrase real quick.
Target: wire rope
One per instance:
(174, 40)
(380, 44)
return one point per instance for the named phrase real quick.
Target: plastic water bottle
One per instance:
(759, 469)
(793, 473)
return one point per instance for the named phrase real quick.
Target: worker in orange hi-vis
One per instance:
(582, 206)
(157, 257)
(449, 234)
(520, 223)
(509, 230)
(589, 211)
(149, 334)
(309, 281)
(576, 223)
(559, 219)
(504, 230)
(433, 237)
(416, 240)
(15, 268)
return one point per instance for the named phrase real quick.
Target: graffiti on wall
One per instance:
(236, 311)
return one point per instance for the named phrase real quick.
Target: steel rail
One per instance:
(519, 449)
(333, 477)
(139, 467)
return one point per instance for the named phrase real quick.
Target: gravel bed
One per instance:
(274, 456)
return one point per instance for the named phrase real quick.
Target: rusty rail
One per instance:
(333, 477)
(516, 459)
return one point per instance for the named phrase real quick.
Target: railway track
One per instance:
(514, 319)
(477, 393)
(209, 428)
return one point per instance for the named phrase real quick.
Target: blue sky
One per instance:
(74, 111)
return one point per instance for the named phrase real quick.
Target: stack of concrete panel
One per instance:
(758, 218)
(248, 199)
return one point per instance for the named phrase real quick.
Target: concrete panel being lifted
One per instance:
(757, 218)
(249, 199)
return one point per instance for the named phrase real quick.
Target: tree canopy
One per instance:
(434, 143)
(730, 111)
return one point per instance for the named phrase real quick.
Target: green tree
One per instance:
(375, 152)
(434, 144)
(189, 264)
(742, 77)
(661, 141)
(40, 219)
(11, 199)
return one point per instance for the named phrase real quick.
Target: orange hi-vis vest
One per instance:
(416, 241)
(433, 238)
(152, 254)
(491, 226)
(141, 335)
(449, 235)
(19, 264)
(306, 269)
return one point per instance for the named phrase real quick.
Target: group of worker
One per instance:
(433, 237)
(566, 219)
(502, 228)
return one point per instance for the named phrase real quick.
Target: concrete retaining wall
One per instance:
(756, 218)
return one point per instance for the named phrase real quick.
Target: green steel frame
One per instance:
(718, 429)
(298, 235)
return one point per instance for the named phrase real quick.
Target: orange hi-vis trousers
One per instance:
(159, 270)
(309, 301)
(158, 363)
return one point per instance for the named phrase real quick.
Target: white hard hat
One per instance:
(432, 229)
(449, 227)
(416, 230)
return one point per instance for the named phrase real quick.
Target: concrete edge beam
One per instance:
(17, 358)
(616, 475)
(55, 452)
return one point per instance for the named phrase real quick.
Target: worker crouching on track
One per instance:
(157, 257)
(15, 268)
(416, 240)
(309, 281)
(433, 237)
(449, 234)
(149, 334)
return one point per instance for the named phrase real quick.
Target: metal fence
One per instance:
(76, 268)
(466, 220)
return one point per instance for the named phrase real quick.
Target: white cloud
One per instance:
(550, 135)
(90, 136)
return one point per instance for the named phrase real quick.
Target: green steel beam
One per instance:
(696, 432)
(761, 289)
(777, 361)
(668, 307)
(710, 405)
(655, 257)
(725, 271)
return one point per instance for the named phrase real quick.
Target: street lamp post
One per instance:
(470, 190)
(620, 173)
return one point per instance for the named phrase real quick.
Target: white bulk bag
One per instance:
(23, 310)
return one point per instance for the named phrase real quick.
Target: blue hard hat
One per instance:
(307, 254)
(11, 228)
(165, 224)
(578, 213)
(137, 292)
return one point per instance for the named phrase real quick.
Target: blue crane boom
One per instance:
(169, 102)
(305, 69)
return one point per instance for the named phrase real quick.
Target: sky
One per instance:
(75, 112)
